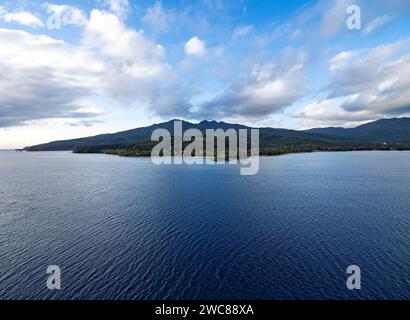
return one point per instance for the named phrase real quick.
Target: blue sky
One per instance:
(76, 68)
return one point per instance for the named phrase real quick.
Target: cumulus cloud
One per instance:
(265, 90)
(56, 80)
(21, 17)
(120, 8)
(136, 70)
(328, 112)
(376, 79)
(105, 32)
(366, 84)
(53, 79)
(195, 47)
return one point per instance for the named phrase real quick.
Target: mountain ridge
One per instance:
(382, 130)
(381, 134)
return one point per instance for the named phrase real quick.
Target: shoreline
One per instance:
(260, 155)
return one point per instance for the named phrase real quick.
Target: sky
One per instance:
(71, 68)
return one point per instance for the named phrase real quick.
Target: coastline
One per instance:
(273, 154)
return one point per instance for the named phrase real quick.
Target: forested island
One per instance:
(385, 134)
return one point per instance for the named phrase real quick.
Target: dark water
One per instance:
(122, 228)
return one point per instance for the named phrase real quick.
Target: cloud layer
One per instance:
(365, 85)
(266, 89)
(21, 17)
(56, 80)
(38, 86)
(197, 61)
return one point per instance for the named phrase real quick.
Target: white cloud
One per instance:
(135, 67)
(378, 79)
(334, 16)
(326, 19)
(57, 80)
(157, 18)
(54, 80)
(22, 17)
(365, 85)
(127, 48)
(85, 123)
(195, 47)
(328, 112)
(120, 8)
(341, 60)
(265, 90)
(376, 23)
(241, 31)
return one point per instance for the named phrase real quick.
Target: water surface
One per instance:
(122, 228)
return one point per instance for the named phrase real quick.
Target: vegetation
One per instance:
(388, 134)
(268, 147)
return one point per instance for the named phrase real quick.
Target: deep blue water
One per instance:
(123, 228)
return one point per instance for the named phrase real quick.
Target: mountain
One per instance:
(394, 130)
(129, 136)
(144, 134)
(379, 135)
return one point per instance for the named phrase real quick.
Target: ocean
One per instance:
(124, 228)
